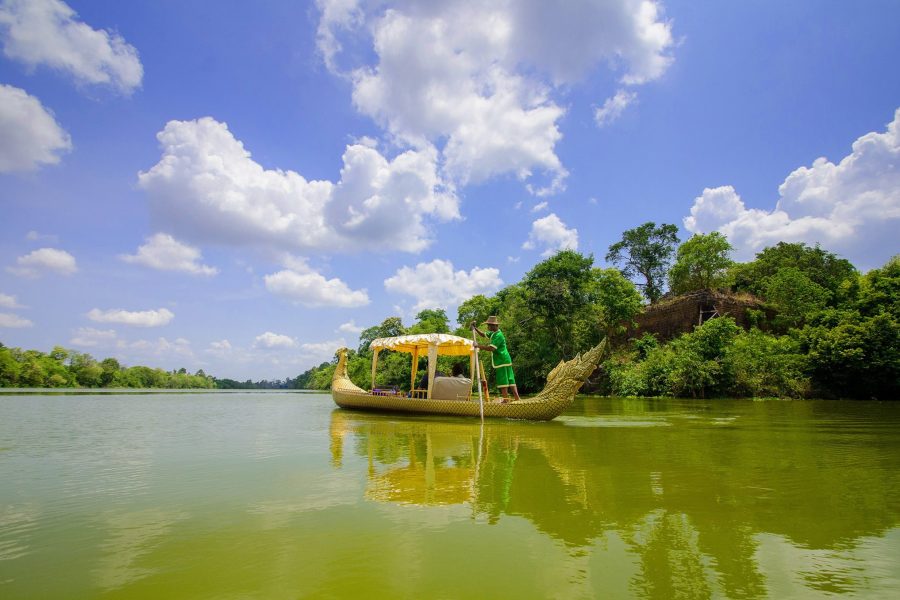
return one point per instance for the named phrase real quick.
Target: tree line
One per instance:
(824, 329)
(62, 368)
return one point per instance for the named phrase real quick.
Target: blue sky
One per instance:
(241, 187)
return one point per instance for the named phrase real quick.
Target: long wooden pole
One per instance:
(478, 374)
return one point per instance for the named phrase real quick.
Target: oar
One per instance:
(478, 374)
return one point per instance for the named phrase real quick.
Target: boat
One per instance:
(563, 382)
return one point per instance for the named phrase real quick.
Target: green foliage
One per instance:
(477, 308)
(879, 290)
(68, 368)
(820, 266)
(558, 294)
(794, 295)
(646, 251)
(390, 327)
(717, 358)
(764, 365)
(859, 357)
(431, 321)
(701, 263)
(617, 298)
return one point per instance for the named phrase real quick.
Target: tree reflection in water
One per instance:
(697, 492)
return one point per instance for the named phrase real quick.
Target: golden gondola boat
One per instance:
(563, 382)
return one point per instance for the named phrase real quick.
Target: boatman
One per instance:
(500, 359)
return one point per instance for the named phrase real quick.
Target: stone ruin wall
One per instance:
(670, 318)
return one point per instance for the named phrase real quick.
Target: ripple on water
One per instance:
(574, 421)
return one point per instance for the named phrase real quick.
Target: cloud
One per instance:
(37, 262)
(437, 285)
(539, 207)
(207, 188)
(480, 77)
(29, 135)
(551, 234)
(302, 285)
(269, 340)
(180, 347)
(141, 318)
(48, 32)
(7, 301)
(318, 352)
(15, 321)
(613, 108)
(220, 349)
(91, 337)
(350, 327)
(851, 208)
(165, 253)
(35, 236)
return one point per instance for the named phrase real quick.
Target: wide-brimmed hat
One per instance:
(492, 320)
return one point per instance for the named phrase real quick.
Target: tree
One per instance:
(820, 266)
(477, 308)
(431, 321)
(390, 327)
(646, 251)
(794, 295)
(617, 298)
(702, 263)
(109, 367)
(558, 290)
(858, 358)
(879, 290)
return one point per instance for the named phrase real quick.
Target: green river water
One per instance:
(282, 495)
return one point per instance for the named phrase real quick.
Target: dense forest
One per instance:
(823, 329)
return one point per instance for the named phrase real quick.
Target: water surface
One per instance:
(280, 495)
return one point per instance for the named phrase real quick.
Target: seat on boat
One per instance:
(451, 388)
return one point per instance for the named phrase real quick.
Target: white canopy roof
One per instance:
(447, 345)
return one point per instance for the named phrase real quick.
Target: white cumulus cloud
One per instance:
(551, 234)
(301, 284)
(479, 78)
(29, 135)
(91, 337)
(44, 260)
(139, 318)
(437, 285)
(613, 108)
(851, 207)
(271, 340)
(206, 187)
(350, 327)
(319, 352)
(163, 252)
(8, 301)
(14, 321)
(48, 32)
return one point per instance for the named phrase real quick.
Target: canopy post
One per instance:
(415, 368)
(432, 366)
(374, 364)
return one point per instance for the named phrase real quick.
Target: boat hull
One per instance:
(534, 409)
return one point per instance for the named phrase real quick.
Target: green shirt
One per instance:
(499, 357)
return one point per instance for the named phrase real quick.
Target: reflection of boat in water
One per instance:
(425, 461)
(563, 382)
(688, 525)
